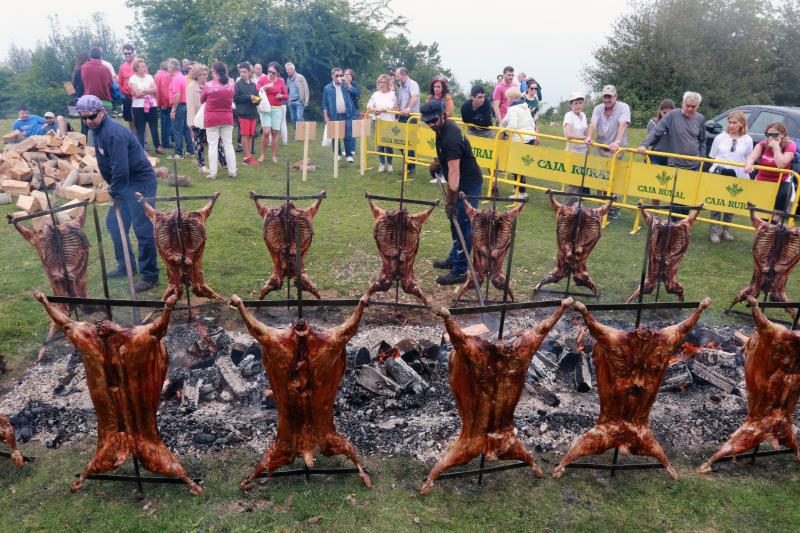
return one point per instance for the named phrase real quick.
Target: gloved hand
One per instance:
(435, 168)
(450, 203)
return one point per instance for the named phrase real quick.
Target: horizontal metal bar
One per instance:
(636, 306)
(568, 293)
(38, 214)
(380, 303)
(213, 303)
(306, 303)
(24, 457)
(750, 455)
(284, 197)
(498, 199)
(310, 472)
(782, 214)
(174, 198)
(480, 471)
(776, 305)
(134, 479)
(634, 466)
(745, 314)
(698, 207)
(583, 195)
(499, 307)
(105, 302)
(404, 200)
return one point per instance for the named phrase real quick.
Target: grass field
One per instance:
(342, 262)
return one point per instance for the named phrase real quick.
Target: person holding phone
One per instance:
(777, 151)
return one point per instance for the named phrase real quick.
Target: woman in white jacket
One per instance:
(519, 117)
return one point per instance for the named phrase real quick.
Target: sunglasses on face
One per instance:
(432, 122)
(773, 134)
(90, 117)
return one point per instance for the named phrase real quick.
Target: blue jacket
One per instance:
(329, 101)
(120, 157)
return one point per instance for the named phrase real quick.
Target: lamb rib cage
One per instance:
(279, 236)
(7, 436)
(629, 368)
(578, 229)
(772, 375)
(487, 379)
(125, 371)
(304, 366)
(397, 236)
(668, 243)
(181, 242)
(491, 239)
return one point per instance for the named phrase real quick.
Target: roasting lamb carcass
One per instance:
(491, 239)
(188, 230)
(772, 375)
(68, 276)
(487, 379)
(629, 366)
(397, 235)
(279, 236)
(7, 436)
(578, 229)
(776, 251)
(304, 366)
(667, 245)
(125, 370)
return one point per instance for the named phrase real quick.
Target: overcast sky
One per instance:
(551, 40)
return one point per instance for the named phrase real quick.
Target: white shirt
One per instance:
(140, 84)
(383, 100)
(579, 127)
(721, 149)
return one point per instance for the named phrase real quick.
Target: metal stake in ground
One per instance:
(129, 269)
(508, 279)
(102, 256)
(185, 276)
(298, 266)
(665, 246)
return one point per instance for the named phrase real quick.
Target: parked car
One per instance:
(758, 118)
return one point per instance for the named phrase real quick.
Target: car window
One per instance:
(723, 121)
(764, 119)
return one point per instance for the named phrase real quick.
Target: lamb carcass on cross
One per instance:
(279, 236)
(578, 229)
(304, 366)
(125, 370)
(181, 241)
(667, 244)
(397, 236)
(629, 366)
(64, 253)
(487, 379)
(772, 375)
(776, 251)
(491, 239)
(7, 436)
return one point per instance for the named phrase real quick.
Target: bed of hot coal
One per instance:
(394, 398)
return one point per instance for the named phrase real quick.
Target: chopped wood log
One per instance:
(676, 378)
(76, 192)
(77, 136)
(15, 187)
(5, 198)
(705, 373)
(71, 179)
(741, 337)
(21, 172)
(29, 204)
(183, 181)
(68, 146)
(583, 375)
(25, 145)
(53, 140)
(476, 329)
(91, 163)
(153, 161)
(233, 377)
(75, 211)
(13, 137)
(547, 396)
(41, 197)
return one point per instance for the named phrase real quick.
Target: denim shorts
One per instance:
(272, 119)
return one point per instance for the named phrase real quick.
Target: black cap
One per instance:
(430, 111)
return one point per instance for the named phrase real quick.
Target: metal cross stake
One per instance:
(578, 216)
(185, 276)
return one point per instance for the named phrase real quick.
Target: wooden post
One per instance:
(361, 129)
(305, 152)
(306, 132)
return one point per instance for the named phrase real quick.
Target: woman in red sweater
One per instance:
(777, 151)
(217, 95)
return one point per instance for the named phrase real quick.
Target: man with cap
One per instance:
(124, 166)
(610, 120)
(456, 162)
(26, 123)
(57, 124)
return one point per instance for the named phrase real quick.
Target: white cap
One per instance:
(576, 95)
(49, 114)
(609, 90)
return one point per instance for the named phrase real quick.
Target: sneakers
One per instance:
(349, 158)
(119, 273)
(175, 156)
(204, 169)
(250, 161)
(437, 179)
(727, 235)
(613, 213)
(381, 168)
(715, 238)
(338, 157)
(518, 196)
(144, 285)
(389, 168)
(443, 264)
(452, 278)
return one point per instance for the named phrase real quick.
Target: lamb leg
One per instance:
(111, 452)
(458, 453)
(338, 445)
(593, 442)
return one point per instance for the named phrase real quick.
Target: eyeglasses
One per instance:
(773, 134)
(733, 145)
(337, 75)
(432, 121)
(127, 53)
(90, 117)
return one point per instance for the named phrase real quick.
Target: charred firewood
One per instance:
(583, 374)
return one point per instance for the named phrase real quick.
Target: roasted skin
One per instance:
(667, 245)
(279, 236)
(772, 375)
(7, 436)
(70, 277)
(125, 370)
(491, 239)
(630, 367)
(397, 236)
(304, 366)
(772, 243)
(189, 230)
(487, 379)
(584, 226)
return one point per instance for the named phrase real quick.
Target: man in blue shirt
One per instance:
(125, 168)
(26, 123)
(337, 104)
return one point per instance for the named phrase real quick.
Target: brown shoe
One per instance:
(715, 238)
(727, 235)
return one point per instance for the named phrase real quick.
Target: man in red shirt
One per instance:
(163, 79)
(177, 95)
(499, 101)
(125, 73)
(96, 77)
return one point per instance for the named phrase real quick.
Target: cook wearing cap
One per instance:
(49, 114)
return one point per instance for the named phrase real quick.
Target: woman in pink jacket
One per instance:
(217, 95)
(276, 93)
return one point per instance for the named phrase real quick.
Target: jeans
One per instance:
(385, 150)
(457, 257)
(140, 119)
(166, 128)
(347, 146)
(133, 215)
(411, 153)
(296, 109)
(182, 132)
(214, 135)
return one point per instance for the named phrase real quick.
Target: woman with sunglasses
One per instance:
(733, 144)
(381, 101)
(776, 151)
(277, 94)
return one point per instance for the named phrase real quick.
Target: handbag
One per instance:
(199, 121)
(263, 105)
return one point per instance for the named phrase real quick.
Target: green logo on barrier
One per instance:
(527, 159)
(663, 178)
(734, 189)
(396, 131)
(432, 144)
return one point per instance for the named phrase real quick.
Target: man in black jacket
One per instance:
(125, 167)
